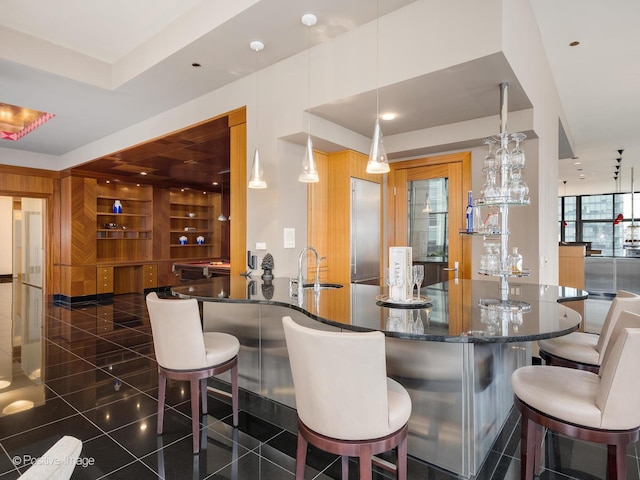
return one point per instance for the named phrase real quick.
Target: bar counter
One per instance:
(454, 358)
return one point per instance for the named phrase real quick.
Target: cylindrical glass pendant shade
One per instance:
(309, 173)
(378, 162)
(257, 179)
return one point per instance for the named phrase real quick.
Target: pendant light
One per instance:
(427, 205)
(221, 217)
(309, 172)
(378, 162)
(257, 177)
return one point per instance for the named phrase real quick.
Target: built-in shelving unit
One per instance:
(128, 235)
(192, 216)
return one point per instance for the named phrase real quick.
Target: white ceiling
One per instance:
(596, 80)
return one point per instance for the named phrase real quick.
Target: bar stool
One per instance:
(585, 351)
(346, 404)
(184, 352)
(599, 407)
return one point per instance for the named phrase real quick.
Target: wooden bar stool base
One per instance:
(531, 440)
(198, 383)
(363, 449)
(553, 360)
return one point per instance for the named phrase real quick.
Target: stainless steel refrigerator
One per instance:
(365, 231)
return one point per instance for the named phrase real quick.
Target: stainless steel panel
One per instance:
(365, 230)
(628, 274)
(599, 274)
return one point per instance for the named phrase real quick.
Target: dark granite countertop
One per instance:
(451, 312)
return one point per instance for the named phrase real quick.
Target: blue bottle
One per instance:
(117, 207)
(470, 212)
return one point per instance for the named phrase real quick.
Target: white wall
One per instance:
(423, 37)
(6, 227)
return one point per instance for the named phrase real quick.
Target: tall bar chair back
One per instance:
(585, 351)
(599, 407)
(184, 352)
(346, 405)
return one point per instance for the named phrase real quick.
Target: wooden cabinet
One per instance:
(128, 235)
(150, 276)
(104, 280)
(193, 215)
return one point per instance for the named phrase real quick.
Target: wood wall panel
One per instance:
(330, 201)
(161, 223)
(238, 207)
(28, 182)
(77, 280)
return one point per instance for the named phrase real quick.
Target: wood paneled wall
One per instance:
(38, 183)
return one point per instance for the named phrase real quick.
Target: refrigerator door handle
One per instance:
(354, 231)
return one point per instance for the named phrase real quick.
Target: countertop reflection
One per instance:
(453, 313)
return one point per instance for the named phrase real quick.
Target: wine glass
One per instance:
(517, 155)
(490, 158)
(392, 278)
(503, 154)
(418, 277)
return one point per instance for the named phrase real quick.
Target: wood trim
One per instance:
(238, 207)
(453, 165)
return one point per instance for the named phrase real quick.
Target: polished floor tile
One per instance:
(96, 379)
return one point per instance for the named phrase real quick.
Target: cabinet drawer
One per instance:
(104, 280)
(150, 275)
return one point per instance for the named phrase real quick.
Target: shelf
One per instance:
(524, 273)
(191, 231)
(111, 214)
(113, 198)
(500, 201)
(176, 245)
(482, 234)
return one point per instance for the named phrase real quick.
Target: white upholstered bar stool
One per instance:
(184, 352)
(585, 351)
(346, 404)
(599, 407)
(57, 463)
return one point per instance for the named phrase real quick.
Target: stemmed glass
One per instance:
(393, 281)
(418, 277)
(490, 158)
(517, 155)
(502, 154)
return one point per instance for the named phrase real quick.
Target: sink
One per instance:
(323, 286)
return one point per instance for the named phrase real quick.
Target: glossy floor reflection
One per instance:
(98, 382)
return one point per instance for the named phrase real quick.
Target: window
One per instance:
(606, 221)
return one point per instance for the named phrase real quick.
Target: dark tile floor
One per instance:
(97, 381)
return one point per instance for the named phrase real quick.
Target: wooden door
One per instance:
(456, 169)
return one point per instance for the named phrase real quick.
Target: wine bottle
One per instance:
(470, 212)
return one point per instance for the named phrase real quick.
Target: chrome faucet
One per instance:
(316, 284)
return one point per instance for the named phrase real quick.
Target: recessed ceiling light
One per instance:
(309, 19)
(214, 183)
(143, 173)
(577, 163)
(388, 116)
(256, 45)
(574, 44)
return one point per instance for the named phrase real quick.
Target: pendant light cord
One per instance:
(377, 60)
(309, 79)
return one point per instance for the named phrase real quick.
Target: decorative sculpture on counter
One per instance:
(267, 289)
(267, 267)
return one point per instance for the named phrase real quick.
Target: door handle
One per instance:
(454, 269)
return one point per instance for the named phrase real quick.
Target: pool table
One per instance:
(201, 269)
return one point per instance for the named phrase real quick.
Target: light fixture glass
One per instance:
(309, 173)
(257, 177)
(221, 217)
(427, 205)
(378, 162)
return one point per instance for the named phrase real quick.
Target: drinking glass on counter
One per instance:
(418, 277)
